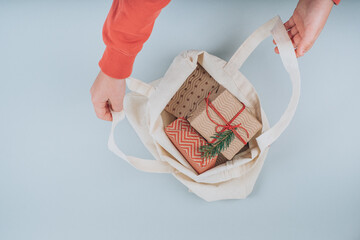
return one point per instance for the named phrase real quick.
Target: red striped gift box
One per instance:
(187, 141)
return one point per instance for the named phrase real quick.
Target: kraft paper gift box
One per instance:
(188, 141)
(207, 121)
(195, 88)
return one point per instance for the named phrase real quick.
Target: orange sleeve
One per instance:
(127, 27)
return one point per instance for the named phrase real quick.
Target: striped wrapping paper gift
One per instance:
(187, 141)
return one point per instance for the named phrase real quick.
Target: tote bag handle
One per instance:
(145, 165)
(275, 28)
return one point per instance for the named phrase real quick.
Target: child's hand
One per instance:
(306, 23)
(107, 93)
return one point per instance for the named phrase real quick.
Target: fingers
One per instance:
(299, 44)
(102, 110)
(304, 45)
(293, 31)
(107, 94)
(276, 50)
(296, 40)
(289, 24)
(116, 103)
(302, 40)
(294, 35)
(117, 97)
(301, 50)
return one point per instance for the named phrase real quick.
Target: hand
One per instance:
(306, 23)
(107, 94)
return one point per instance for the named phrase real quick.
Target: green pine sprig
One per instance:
(223, 140)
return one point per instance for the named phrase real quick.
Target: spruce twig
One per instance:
(223, 140)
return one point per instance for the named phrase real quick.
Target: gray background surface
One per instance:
(59, 181)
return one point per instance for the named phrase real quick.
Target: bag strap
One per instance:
(275, 28)
(139, 87)
(145, 165)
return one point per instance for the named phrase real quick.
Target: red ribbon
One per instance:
(227, 125)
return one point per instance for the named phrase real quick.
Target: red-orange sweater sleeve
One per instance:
(127, 27)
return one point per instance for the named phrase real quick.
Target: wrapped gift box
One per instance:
(208, 122)
(220, 160)
(188, 141)
(195, 88)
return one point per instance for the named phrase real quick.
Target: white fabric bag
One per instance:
(144, 108)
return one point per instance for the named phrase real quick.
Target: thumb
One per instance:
(304, 46)
(102, 110)
(116, 104)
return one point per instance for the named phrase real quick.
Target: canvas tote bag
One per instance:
(144, 109)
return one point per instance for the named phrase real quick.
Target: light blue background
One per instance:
(59, 181)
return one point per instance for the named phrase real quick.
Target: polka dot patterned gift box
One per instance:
(195, 88)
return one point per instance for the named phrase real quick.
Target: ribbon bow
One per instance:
(227, 125)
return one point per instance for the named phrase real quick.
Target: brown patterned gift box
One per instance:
(195, 88)
(225, 112)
